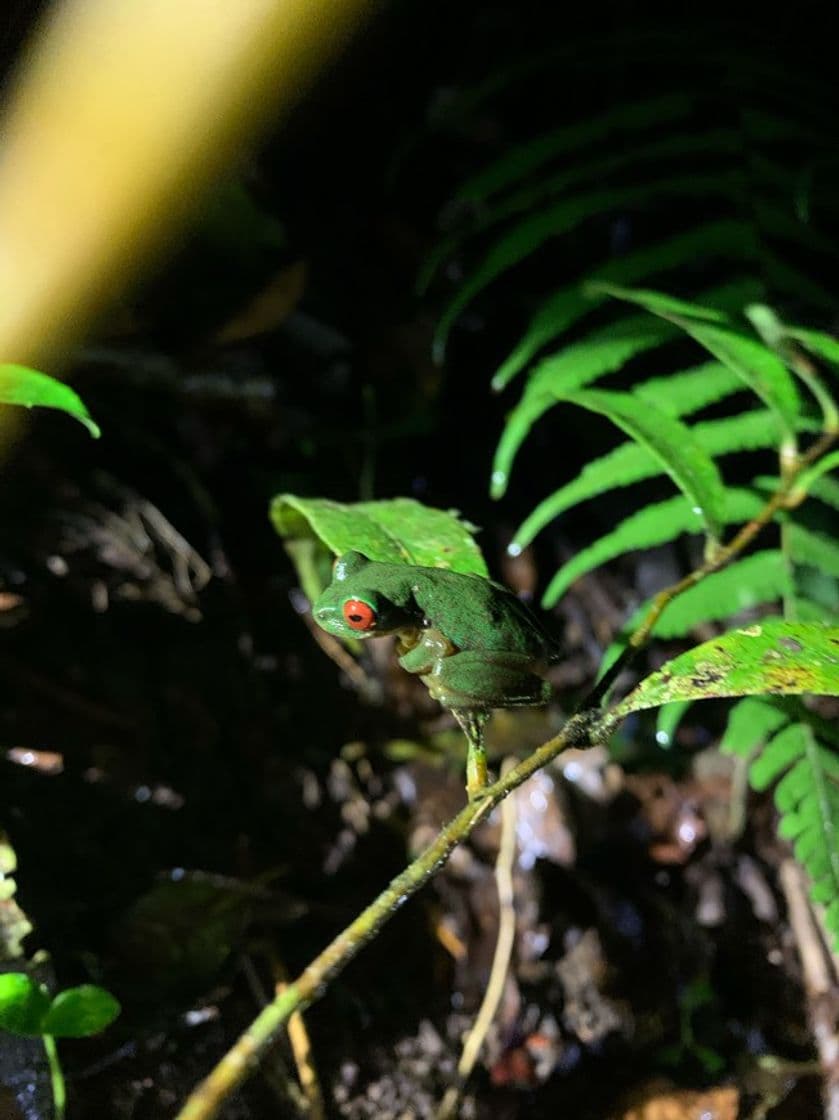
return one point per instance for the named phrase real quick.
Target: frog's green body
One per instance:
(473, 643)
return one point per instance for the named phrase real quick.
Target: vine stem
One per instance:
(584, 729)
(59, 1091)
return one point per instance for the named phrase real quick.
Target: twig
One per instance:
(586, 728)
(501, 958)
(301, 1048)
(819, 982)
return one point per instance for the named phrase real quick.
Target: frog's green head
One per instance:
(359, 603)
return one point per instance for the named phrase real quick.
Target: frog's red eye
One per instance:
(359, 615)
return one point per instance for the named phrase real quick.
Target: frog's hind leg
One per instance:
(473, 721)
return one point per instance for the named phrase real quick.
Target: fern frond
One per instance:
(750, 723)
(672, 443)
(817, 342)
(758, 580)
(807, 797)
(827, 491)
(629, 463)
(531, 234)
(682, 394)
(759, 367)
(526, 158)
(654, 525)
(731, 239)
(806, 546)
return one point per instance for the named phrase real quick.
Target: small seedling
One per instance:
(26, 1008)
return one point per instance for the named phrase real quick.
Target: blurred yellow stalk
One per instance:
(123, 111)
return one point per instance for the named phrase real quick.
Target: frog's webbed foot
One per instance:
(473, 721)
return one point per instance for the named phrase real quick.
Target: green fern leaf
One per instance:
(601, 352)
(750, 722)
(749, 358)
(672, 442)
(682, 394)
(817, 342)
(662, 303)
(807, 798)
(630, 463)
(532, 233)
(655, 524)
(827, 491)
(782, 750)
(526, 158)
(729, 238)
(806, 480)
(758, 580)
(526, 198)
(811, 610)
(806, 546)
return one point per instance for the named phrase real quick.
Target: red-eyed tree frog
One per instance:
(471, 641)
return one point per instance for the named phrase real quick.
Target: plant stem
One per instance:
(59, 1092)
(501, 958)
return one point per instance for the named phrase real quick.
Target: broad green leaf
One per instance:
(399, 530)
(750, 723)
(525, 158)
(816, 549)
(28, 387)
(567, 306)
(23, 1003)
(532, 233)
(78, 1012)
(653, 525)
(771, 656)
(758, 366)
(630, 463)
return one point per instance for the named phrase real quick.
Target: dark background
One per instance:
(191, 724)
